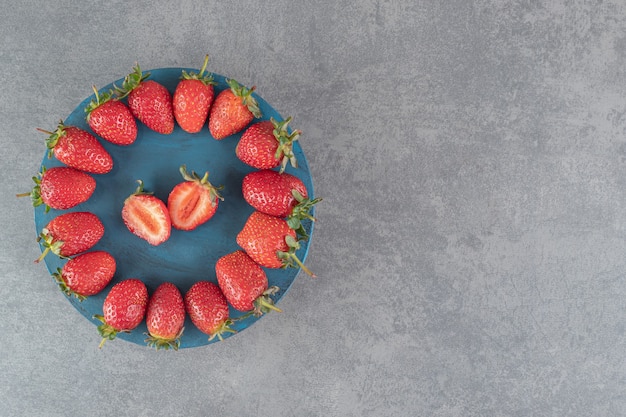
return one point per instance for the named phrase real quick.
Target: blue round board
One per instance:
(187, 256)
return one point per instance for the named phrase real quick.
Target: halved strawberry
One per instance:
(146, 216)
(192, 202)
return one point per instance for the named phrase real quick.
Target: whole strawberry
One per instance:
(275, 194)
(86, 274)
(149, 101)
(208, 309)
(70, 234)
(165, 317)
(111, 119)
(232, 110)
(61, 188)
(268, 144)
(123, 309)
(146, 216)
(193, 201)
(78, 149)
(244, 283)
(193, 98)
(270, 242)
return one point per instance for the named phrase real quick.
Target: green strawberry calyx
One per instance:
(58, 277)
(284, 151)
(300, 212)
(106, 331)
(225, 327)
(289, 257)
(35, 193)
(50, 244)
(246, 97)
(214, 191)
(206, 79)
(53, 137)
(100, 99)
(130, 82)
(163, 342)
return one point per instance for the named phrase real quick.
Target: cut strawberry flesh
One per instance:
(190, 205)
(147, 217)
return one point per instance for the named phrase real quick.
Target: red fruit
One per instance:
(70, 234)
(268, 144)
(149, 101)
(232, 110)
(192, 202)
(271, 192)
(124, 308)
(78, 149)
(111, 119)
(61, 188)
(244, 283)
(208, 309)
(146, 216)
(86, 274)
(193, 98)
(270, 242)
(165, 317)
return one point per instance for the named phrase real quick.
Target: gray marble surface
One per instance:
(471, 244)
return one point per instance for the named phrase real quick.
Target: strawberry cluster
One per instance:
(269, 239)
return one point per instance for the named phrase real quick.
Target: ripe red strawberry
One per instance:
(270, 242)
(124, 309)
(193, 98)
(192, 202)
(244, 283)
(78, 149)
(70, 234)
(165, 317)
(86, 274)
(149, 101)
(61, 188)
(208, 309)
(146, 216)
(232, 110)
(268, 144)
(111, 119)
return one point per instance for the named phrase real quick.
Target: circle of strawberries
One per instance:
(269, 239)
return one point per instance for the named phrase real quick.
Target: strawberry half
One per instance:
(86, 274)
(193, 98)
(146, 216)
(192, 202)
(244, 283)
(123, 309)
(78, 149)
(165, 317)
(207, 307)
(61, 188)
(270, 242)
(111, 119)
(232, 110)
(268, 144)
(70, 234)
(149, 101)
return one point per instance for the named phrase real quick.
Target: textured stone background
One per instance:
(470, 247)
